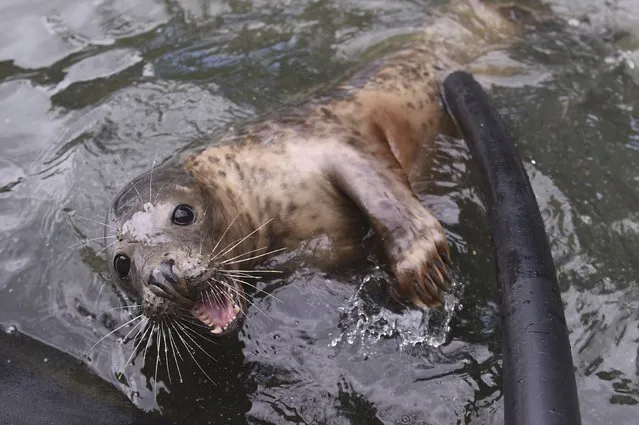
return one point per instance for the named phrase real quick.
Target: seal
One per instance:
(189, 245)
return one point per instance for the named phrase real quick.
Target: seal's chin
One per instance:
(219, 308)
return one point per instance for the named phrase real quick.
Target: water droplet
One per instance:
(148, 70)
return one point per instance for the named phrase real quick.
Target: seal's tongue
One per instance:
(215, 312)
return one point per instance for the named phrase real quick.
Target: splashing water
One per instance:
(367, 320)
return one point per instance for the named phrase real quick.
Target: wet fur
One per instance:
(324, 167)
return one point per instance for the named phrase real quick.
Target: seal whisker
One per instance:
(155, 156)
(149, 341)
(219, 294)
(215, 293)
(147, 329)
(268, 294)
(188, 350)
(129, 177)
(254, 257)
(246, 253)
(157, 362)
(243, 239)
(188, 335)
(175, 349)
(113, 331)
(195, 333)
(93, 221)
(187, 320)
(98, 298)
(238, 274)
(107, 247)
(230, 299)
(126, 337)
(202, 235)
(224, 234)
(208, 296)
(257, 271)
(251, 303)
(157, 195)
(245, 298)
(118, 308)
(239, 278)
(86, 241)
(166, 350)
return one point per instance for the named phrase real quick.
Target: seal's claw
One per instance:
(420, 270)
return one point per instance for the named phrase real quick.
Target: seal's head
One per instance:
(168, 250)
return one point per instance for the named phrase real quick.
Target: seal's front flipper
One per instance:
(414, 240)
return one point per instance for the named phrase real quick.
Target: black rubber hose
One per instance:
(539, 381)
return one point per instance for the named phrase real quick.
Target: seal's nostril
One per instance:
(166, 269)
(161, 288)
(162, 280)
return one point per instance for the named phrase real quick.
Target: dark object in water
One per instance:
(40, 385)
(539, 382)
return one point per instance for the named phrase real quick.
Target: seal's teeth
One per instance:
(205, 319)
(236, 309)
(217, 330)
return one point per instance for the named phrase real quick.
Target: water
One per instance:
(92, 92)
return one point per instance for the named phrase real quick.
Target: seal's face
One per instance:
(167, 252)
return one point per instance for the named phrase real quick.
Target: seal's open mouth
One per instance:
(219, 307)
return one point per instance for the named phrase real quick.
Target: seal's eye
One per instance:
(122, 265)
(183, 215)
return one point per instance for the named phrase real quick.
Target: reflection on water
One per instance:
(92, 92)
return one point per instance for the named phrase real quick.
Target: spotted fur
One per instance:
(344, 157)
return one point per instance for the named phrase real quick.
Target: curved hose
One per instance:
(539, 382)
